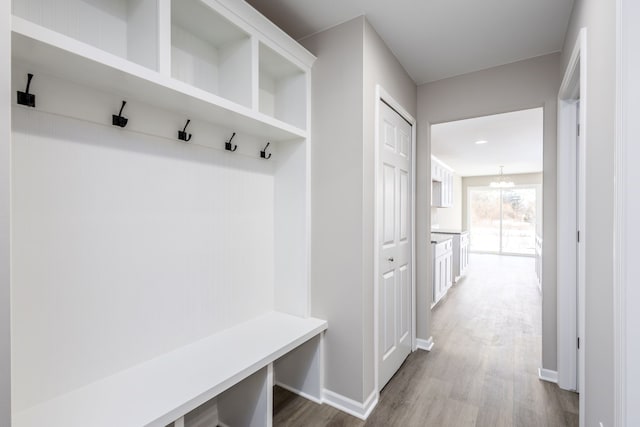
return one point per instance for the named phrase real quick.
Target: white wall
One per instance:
(126, 246)
(600, 20)
(5, 208)
(352, 60)
(526, 84)
(450, 218)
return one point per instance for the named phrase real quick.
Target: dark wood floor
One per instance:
(482, 370)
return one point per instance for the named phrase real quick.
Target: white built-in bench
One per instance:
(237, 365)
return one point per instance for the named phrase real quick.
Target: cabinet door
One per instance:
(449, 189)
(436, 279)
(448, 271)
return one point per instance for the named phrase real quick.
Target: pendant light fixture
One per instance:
(501, 181)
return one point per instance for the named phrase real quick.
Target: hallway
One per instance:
(482, 370)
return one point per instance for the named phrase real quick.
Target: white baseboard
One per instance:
(425, 344)
(300, 393)
(548, 375)
(350, 406)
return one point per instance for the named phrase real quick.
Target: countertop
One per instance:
(447, 231)
(439, 238)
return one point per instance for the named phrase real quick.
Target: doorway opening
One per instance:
(493, 217)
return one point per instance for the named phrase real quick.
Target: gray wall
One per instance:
(336, 201)
(5, 209)
(599, 17)
(352, 60)
(521, 85)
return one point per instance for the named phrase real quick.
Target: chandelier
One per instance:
(501, 181)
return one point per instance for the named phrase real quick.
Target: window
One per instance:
(503, 220)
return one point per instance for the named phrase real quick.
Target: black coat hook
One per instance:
(26, 98)
(182, 134)
(263, 153)
(228, 146)
(119, 120)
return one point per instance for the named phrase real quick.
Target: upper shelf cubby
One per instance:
(126, 28)
(283, 88)
(209, 52)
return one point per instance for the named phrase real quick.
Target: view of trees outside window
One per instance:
(502, 220)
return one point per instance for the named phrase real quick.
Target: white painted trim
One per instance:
(566, 245)
(350, 406)
(619, 227)
(7, 95)
(426, 345)
(299, 392)
(548, 375)
(382, 95)
(626, 349)
(573, 87)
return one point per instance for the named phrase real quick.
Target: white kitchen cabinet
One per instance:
(442, 269)
(460, 253)
(441, 184)
(177, 269)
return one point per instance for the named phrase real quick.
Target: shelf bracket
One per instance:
(26, 98)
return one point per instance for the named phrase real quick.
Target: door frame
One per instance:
(572, 217)
(626, 210)
(383, 95)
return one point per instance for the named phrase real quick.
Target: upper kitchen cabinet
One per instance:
(441, 184)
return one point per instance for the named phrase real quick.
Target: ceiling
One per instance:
(514, 140)
(436, 39)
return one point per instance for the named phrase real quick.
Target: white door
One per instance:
(394, 213)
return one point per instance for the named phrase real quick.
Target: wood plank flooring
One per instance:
(482, 370)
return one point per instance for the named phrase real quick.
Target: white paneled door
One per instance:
(394, 264)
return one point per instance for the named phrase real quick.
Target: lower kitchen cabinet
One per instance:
(442, 268)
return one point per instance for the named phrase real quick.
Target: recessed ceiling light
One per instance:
(480, 142)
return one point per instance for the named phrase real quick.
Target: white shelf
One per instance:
(50, 52)
(161, 390)
(283, 88)
(120, 27)
(209, 52)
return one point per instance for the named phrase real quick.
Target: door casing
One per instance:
(571, 218)
(382, 95)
